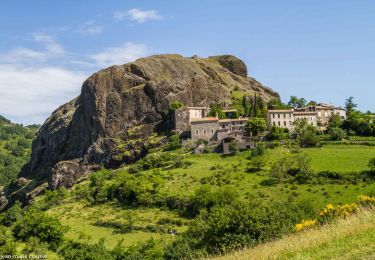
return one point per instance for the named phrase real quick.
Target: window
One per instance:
(197, 132)
(212, 131)
(278, 115)
(284, 123)
(319, 114)
(273, 115)
(279, 123)
(326, 114)
(274, 124)
(312, 123)
(204, 131)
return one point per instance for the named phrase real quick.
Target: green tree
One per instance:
(257, 163)
(233, 148)
(278, 133)
(174, 143)
(245, 105)
(216, 110)
(350, 105)
(41, 225)
(255, 126)
(336, 134)
(297, 102)
(334, 121)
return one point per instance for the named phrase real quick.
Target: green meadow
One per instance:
(216, 170)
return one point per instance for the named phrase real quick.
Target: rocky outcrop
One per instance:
(119, 110)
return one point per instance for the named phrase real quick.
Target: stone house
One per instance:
(204, 128)
(183, 117)
(318, 116)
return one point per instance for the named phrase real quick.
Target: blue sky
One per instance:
(320, 50)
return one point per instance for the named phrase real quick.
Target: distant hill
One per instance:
(352, 238)
(15, 148)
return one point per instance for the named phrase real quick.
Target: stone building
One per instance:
(318, 116)
(204, 128)
(184, 116)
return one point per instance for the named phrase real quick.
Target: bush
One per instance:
(174, 143)
(257, 163)
(296, 165)
(237, 224)
(233, 149)
(371, 164)
(149, 250)
(39, 224)
(258, 150)
(336, 134)
(175, 105)
(12, 214)
(7, 243)
(205, 198)
(85, 251)
(278, 133)
(308, 139)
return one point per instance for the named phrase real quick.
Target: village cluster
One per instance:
(196, 124)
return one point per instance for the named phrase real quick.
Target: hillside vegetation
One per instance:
(15, 149)
(351, 238)
(175, 204)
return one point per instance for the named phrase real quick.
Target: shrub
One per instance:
(336, 134)
(257, 163)
(366, 200)
(258, 150)
(84, 251)
(149, 250)
(238, 224)
(175, 105)
(12, 214)
(174, 143)
(306, 224)
(308, 139)
(233, 149)
(39, 224)
(371, 164)
(7, 243)
(278, 133)
(205, 198)
(296, 165)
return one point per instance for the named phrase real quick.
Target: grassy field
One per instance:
(352, 238)
(341, 159)
(81, 217)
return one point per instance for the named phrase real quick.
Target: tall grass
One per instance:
(351, 238)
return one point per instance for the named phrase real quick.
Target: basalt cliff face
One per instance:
(115, 118)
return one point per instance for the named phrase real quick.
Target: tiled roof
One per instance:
(204, 119)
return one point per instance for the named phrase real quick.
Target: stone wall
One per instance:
(204, 130)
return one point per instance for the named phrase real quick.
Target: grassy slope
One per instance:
(80, 217)
(346, 239)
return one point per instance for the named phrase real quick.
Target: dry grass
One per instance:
(353, 238)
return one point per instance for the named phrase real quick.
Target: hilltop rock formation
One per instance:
(119, 110)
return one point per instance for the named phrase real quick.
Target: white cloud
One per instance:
(137, 15)
(32, 85)
(90, 27)
(21, 54)
(30, 95)
(119, 55)
(52, 47)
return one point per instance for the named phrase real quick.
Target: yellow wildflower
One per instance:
(305, 224)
